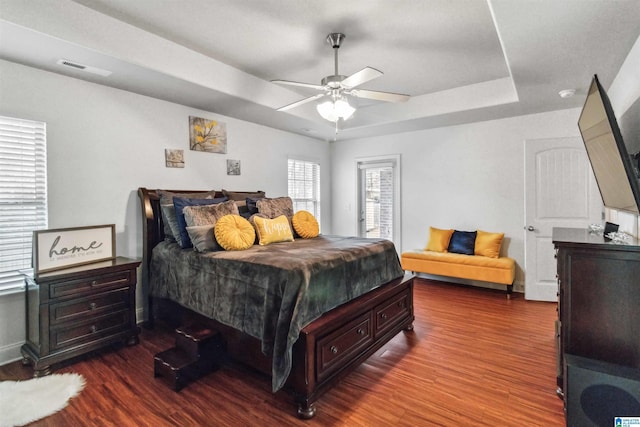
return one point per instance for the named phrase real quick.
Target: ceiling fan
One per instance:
(337, 87)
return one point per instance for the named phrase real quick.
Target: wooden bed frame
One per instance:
(327, 350)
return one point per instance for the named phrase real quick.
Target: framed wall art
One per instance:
(61, 248)
(174, 158)
(233, 167)
(207, 135)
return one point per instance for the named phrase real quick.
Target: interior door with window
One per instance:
(561, 191)
(378, 198)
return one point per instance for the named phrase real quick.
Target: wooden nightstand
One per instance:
(77, 310)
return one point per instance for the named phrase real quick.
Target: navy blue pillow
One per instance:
(252, 205)
(179, 204)
(462, 242)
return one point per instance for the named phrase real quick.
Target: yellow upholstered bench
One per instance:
(436, 260)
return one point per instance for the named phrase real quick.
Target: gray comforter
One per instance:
(272, 292)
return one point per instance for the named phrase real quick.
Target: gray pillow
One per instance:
(201, 221)
(169, 218)
(170, 222)
(203, 238)
(273, 208)
(209, 214)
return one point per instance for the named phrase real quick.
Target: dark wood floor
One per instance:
(474, 358)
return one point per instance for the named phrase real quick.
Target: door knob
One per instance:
(530, 228)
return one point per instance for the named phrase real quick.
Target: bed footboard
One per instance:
(329, 348)
(338, 342)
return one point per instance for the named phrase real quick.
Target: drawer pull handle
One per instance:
(360, 331)
(401, 304)
(94, 283)
(384, 316)
(92, 306)
(334, 349)
(93, 328)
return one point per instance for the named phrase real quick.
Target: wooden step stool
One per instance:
(197, 352)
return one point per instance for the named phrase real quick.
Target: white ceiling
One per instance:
(460, 60)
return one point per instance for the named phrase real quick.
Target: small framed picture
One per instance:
(233, 167)
(61, 248)
(174, 158)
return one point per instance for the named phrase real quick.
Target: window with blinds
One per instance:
(23, 195)
(304, 186)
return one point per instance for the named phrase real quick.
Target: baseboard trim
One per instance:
(139, 315)
(10, 353)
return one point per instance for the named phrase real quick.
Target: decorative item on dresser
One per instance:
(60, 248)
(598, 316)
(73, 311)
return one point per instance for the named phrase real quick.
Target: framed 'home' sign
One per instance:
(61, 248)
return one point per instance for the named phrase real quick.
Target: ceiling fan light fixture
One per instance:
(333, 110)
(337, 86)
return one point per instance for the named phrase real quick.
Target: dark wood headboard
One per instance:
(152, 224)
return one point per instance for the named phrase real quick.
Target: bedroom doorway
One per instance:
(560, 191)
(379, 198)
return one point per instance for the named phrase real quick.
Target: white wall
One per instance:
(465, 177)
(104, 143)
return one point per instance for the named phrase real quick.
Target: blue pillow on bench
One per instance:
(462, 242)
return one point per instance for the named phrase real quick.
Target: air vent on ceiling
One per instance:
(82, 67)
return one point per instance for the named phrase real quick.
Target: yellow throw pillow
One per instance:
(273, 230)
(234, 233)
(438, 239)
(305, 224)
(488, 244)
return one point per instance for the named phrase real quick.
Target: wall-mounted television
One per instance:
(615, 164)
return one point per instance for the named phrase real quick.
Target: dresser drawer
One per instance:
(343, 343)
(92, 306)
(66, 335)
(388, 315)
(93, 284)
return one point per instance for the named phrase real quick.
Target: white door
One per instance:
(560, 191)
(378, 198)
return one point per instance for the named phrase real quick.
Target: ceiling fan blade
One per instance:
(301, 102)
(360, 77)
(290, 83)
(380, 96)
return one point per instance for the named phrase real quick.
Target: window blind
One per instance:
(23, 195)
(304, 186)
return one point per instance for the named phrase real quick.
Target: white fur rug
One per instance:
(22, 402)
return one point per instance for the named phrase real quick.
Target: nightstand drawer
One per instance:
(92, 306)
(97, 283)
(66, 335)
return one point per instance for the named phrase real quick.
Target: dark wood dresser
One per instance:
(76, 310)
(598, 299)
